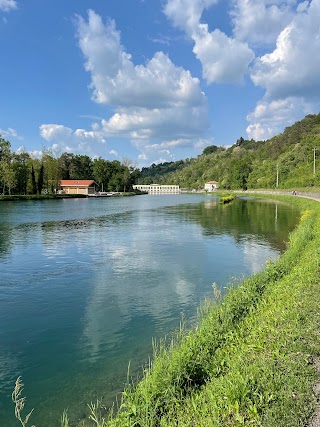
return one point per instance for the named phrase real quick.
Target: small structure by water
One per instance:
(158, 189)
(78, 186)
(211, 186)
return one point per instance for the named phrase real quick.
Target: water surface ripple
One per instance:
(86, 284)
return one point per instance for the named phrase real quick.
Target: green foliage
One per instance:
(249, 163)
(40, 179)
(21, 175)
(210, 149)
(227, 198)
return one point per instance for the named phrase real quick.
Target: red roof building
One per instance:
(78, 186)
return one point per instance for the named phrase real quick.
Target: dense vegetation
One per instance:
(22, 174)
(250, 164)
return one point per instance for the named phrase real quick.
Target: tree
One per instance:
(33, 180)
(21, 166)
(7, 176)
(40, 178)
(5, 150)
(102, 172)
(210, 149)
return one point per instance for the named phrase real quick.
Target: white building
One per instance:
(211, 186)
(158, 189)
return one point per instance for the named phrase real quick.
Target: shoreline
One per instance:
(12, 198)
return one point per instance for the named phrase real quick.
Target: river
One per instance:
(86, 284)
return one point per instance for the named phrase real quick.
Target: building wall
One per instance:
(158, 189)
(79, 190)
(210, 187)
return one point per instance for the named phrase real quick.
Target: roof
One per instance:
(77, 182)
(212, 182)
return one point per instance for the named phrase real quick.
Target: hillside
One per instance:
(249, 163)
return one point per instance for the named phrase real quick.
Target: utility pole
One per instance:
(314, 161)
(277, 181)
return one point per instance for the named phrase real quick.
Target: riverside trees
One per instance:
(22, 174)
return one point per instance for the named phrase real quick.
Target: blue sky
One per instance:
(154, 80)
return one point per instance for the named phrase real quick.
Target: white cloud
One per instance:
(201, 144)
(7, 5)
(144, 124)
(142, 156)
(156, 100)
(293, 68)
(168, 147)
(289, 75)
(35, 154)
(10, 133)
(224, 59)
(114, 153)
(186, 14)
(78, 141)
(115, 80)
(270, 117)
(259, 22)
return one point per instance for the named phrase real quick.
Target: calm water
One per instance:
(86, 284)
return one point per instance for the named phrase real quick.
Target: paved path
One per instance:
(307, 195)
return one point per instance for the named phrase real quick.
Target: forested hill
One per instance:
(249, 163)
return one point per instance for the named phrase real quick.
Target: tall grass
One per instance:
(19, 403)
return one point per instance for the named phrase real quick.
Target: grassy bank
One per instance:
(249, 360)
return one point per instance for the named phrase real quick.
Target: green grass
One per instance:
(227, 198)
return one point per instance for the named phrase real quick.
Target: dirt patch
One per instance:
(315, 421)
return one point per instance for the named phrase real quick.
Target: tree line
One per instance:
(293, 156)
(20, 173)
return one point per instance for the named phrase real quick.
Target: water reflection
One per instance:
(85, 286)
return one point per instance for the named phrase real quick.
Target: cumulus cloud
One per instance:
(76, 141)
(259, 22)
(292, 69)
(270, 117)
(115, 80)
(7, 5)
(289, 75)
(186, 14)
(156, 100)
(224, 59)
